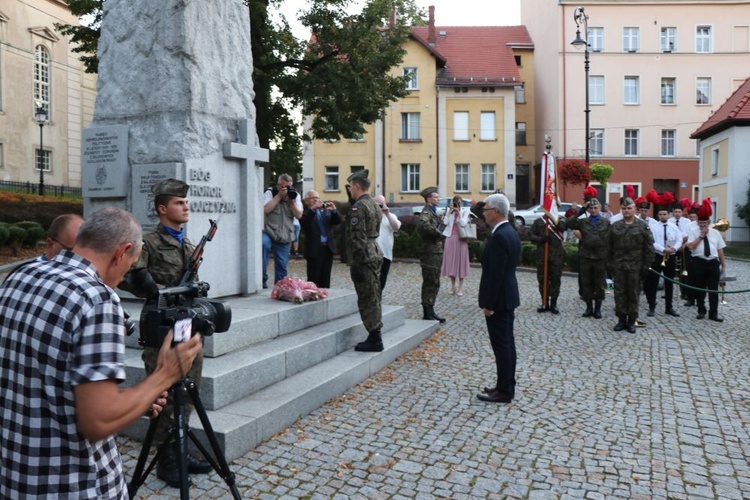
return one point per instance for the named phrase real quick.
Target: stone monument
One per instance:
(175, 99)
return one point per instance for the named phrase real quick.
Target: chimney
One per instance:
(431, 30)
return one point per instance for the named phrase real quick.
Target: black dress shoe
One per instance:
(672, 312)
(198, 465)
(631, 328)
(700, 316)
(650, 313)
(541, 309)
(715, 317)
(489, 390)
(495, 397)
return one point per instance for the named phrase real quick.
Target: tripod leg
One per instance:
(181, 444)
(138, 476)
(226, 474)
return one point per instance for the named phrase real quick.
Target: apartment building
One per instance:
(658, 69)
(37, 65)
(463, 127)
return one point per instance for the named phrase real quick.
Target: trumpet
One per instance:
(664, 258)
(721, 225)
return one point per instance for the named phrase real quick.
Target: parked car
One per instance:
(402, 211)
(528, 216)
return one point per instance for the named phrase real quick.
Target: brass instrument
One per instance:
(721, 225)
(664, 258)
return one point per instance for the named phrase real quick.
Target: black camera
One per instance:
(161, 312)
(290, 192)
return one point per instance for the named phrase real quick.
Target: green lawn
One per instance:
(739, 252)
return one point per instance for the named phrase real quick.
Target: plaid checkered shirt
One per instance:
(60, 326)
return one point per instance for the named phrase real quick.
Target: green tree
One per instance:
(743, 211)
(340, 77)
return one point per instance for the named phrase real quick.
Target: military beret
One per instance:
(170, 187)
(427, 192)
(363, 174)
(593, 202)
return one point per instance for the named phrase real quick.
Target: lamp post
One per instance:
(41, 116)
(580, 17)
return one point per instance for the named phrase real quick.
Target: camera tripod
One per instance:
(178, 436)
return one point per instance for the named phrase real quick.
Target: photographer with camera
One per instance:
(317, 222)
(62, 345)
(281, 205)
(166, 252)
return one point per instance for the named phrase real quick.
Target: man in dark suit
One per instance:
(317, 222)
(498, 295)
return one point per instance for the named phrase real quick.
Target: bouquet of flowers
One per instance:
(297, 290)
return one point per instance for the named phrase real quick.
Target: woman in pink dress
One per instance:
(456, 252)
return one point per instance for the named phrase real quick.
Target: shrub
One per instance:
(571, 256)
(4, 234)
(528, 253)
(476, 248)
(16, 237)
(34, 234)
(408, 223)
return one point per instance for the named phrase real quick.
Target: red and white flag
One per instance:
(549, 190)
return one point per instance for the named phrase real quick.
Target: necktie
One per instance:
(321, 227)
(665, 236)
(706, 248)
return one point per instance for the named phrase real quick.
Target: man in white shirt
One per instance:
(707, 262)
(667, 241)
(389, 224)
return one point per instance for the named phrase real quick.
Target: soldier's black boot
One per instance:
(589, 310)
(631, 324)
(374, 343)
(429, 313)
(435, 316)
(620, 326)
(598, 309)
(553, 306)
(542, 308)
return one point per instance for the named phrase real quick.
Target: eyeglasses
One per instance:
(66, 247)
(488, 209)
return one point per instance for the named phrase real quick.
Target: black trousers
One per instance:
(705, 274)
(652, 281)
(319, 268)
(500, 328)
(384, 273)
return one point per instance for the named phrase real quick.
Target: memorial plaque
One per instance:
(144, 177)
(105, 161)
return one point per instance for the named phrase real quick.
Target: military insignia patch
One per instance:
(355, 220)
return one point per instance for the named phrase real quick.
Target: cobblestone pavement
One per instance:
(664, 413)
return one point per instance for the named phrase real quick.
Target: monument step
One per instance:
(242, 425)
(259, 318)
(240, 373)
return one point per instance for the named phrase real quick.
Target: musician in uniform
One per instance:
(706, 248)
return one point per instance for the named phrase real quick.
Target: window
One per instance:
(487, 126)
(410, 78)
(356, 168)
(596, 142)
(596, 39)
(668, 40)
(631, 142)
(43, 160)
(520, 94)
(332, 179)
(715, 162)
(596, 90)
(667, 90)
(518, 60)
(462, 177)
(410, 177)
(41, 77)
(703, 39)
(667, 142)
(630, 39)
(461, 126)
(703, 91)
(520, 133)
(488, 177)
(410, 126)
(630, 91)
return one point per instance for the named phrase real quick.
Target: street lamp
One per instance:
(580, 17)
(41, 116)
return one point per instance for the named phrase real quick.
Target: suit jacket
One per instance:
(309, 224)
(498, 288)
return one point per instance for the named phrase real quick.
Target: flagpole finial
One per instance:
(548, 140)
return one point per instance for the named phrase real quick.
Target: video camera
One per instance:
(186, 301)
(290, 191)
(160, 313)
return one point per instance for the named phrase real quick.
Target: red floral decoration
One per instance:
(574, 172)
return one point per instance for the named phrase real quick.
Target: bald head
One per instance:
(62, 234)
(379, 199)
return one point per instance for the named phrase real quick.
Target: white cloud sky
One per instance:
(447, 12)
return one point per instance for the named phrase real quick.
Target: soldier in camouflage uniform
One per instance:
(430, 252)
(631, 249)
(543, 237)
(165, 254)
(365, 258)
(592, 253)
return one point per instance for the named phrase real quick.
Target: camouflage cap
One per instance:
(363, 174)
(594, 202)
(427, 192)
(170, 187)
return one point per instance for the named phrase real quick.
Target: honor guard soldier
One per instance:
(429, 227)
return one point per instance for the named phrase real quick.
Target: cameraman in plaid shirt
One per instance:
(61, 356)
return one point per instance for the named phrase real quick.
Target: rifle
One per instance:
(191, 268)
